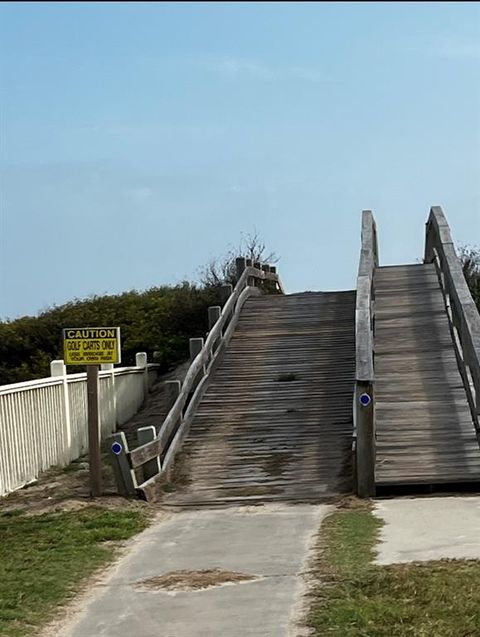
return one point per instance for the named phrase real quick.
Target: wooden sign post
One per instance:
(92, 346)
(94, 457)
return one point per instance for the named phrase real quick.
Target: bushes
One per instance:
(470, 258)
(160, 319)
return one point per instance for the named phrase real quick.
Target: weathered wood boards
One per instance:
(424, 428)
(205, 355)
(276, 419)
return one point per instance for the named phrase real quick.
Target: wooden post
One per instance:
(365, 453)
(250, 280)
(214, 312)
(118, 449)
(152, 467)
(225, 293)
(172, 392)
(240, 265)
(196, 345)
(95, 461)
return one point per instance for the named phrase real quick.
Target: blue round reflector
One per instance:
(365, 400)
(117, 448)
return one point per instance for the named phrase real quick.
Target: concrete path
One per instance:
(270, 544)
(428, 529)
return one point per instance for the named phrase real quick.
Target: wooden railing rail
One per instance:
(463, 314)
(153, 458)
(364, 375)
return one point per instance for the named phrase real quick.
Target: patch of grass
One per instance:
(44, 558)
(287, 377)
(355, 598)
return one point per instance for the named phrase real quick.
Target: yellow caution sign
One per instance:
(91, 345)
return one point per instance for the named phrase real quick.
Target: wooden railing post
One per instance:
(250, 280)
(240, 265)
(152, 467)
(365, 448)
(214, 312)
(364, 413)
(118, 449)
(196, 346)
(172, 392)
(225, 293)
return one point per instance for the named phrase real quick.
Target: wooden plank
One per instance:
(424, 427)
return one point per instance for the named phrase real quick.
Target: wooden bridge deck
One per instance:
(425, 432)
(275, 422)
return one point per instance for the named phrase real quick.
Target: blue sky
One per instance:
(140, 140)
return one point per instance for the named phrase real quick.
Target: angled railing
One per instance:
(138, 471)
(364, 424)
(462, 312)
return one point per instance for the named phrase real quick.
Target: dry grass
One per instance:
(193, 580)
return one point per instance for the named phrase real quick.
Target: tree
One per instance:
(470, 258)
(221, 270)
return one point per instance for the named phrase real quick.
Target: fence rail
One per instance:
(138, 470)
(462, 312)
(43, 423)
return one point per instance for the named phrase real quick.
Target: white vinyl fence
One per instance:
(44, 422)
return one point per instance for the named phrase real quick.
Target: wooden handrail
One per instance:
(463, 314)
(365, 298)
(364, 352)
(175, 425)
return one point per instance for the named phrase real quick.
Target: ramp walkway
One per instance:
(424, 428)
(302, 397)
(275, 421)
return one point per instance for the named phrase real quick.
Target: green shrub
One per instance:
(158, 320)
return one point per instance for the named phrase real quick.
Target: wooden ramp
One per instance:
(275, 422)
(425, 432)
